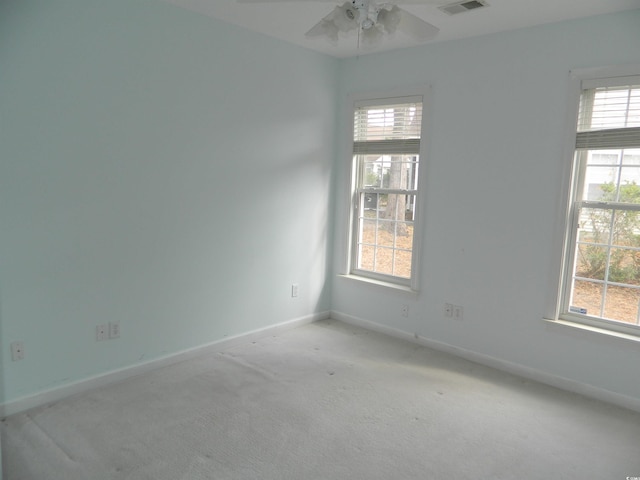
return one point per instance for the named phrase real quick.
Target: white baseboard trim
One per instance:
(80, 386)
(562, 383)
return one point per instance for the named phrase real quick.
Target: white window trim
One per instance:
(579, 79)
(413, 285)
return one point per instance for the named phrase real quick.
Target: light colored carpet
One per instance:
(324, 401)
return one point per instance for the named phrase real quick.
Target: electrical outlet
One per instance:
(448, 310)
(102, 332)
(458, 312)
(405, 310)
(114, 329)
(17, 351)
(294, 290)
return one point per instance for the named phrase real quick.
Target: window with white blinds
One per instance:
(386, 150)
(602, 279)
(609, 116)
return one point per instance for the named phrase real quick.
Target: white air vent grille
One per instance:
(461, 7)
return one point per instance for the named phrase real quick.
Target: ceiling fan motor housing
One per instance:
(361, 13)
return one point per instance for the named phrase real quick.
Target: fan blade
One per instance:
(414, 26)
(324, 28)
(389, 18)
(405, 2)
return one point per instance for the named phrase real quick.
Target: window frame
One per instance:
(349, 264)
(573, 183)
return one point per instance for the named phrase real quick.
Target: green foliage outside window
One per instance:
(623, 258)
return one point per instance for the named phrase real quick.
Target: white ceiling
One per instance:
(289, 20)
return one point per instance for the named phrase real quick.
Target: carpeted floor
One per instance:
(324, 401)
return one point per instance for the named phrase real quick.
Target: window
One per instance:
(386, 152)
(602, 278)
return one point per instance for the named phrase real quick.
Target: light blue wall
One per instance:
(160, 169)
(174, 173)
(493, 180)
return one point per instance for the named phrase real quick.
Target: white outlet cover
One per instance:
(114, 330)
(17, 351)
(102, 332)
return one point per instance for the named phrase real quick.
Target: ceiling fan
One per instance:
(369, 20)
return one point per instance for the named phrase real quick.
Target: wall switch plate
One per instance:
(17, 351)
(404, 310)
(294, 290)
(102, 332)
(114, 330)
(458, 312)
(448, 310)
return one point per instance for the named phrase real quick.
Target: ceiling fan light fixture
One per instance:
(372, 36)
(345, 18)
(367, 23)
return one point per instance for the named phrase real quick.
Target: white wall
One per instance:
(494, 190)
(160, 169)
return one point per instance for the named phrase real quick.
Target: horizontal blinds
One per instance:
(607, 139)
(609, 117)
(387, 147)
(402, 121)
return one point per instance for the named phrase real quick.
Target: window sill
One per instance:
(597, 330)
(379, 283)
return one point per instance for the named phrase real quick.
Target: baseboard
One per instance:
(84, 385)
(562, 383)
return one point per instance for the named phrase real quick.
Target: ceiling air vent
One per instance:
(461, 7)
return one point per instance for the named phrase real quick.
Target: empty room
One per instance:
(319, 240)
